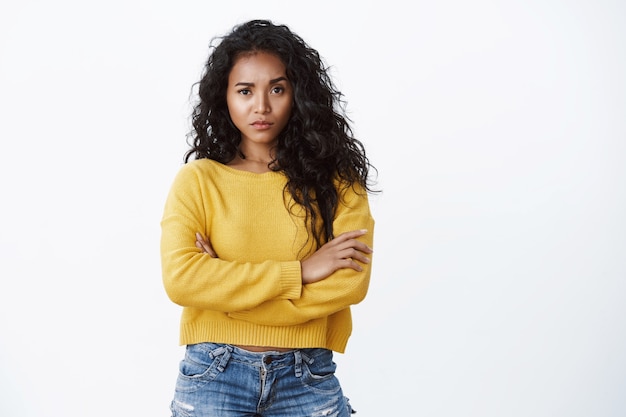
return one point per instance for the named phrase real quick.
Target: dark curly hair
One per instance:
(316, 150)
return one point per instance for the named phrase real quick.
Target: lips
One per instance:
(261, 124)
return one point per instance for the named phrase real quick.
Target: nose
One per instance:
(262, 104)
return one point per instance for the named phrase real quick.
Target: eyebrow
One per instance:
(274, 81)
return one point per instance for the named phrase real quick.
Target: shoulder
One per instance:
(195, 172)
(199, 168)
(352, 196)
(207, 174)
(201, 165)
(347, 190)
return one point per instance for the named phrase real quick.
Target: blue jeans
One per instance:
(217, 380)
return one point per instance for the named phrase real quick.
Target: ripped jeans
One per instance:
(218, 380)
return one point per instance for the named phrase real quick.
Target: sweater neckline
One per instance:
(243, 173)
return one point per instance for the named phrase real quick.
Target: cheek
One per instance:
(235, 109)
(286, 108)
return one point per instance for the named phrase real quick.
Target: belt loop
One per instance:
(298, 365)
(224, 352)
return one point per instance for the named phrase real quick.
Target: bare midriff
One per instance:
(263, 348)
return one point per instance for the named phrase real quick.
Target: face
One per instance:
(259, 98)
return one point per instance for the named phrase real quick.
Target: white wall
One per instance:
(499, 133)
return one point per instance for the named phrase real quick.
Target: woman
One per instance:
(266, 233)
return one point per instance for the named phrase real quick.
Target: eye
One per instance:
(278, 89)
(244, 92)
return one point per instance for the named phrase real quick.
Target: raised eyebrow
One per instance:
(274, 81)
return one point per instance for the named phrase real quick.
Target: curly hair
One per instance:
(317, 149)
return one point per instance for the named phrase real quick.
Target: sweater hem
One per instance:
(242, 333)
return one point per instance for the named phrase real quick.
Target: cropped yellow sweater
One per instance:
(252, 293)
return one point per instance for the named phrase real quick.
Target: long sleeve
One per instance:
(194, 279)
(343, 288)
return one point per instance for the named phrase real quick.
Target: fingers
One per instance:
(347, 247)
(355, 255)
(353, 234)
(343, 252)
(348, 239)
(350, 263)
(205, 245)
(349, 251)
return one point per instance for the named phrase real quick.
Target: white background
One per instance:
(499, 133)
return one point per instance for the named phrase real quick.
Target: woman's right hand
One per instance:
(204, 244)
(341, 252)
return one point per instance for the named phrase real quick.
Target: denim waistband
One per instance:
(267, 359)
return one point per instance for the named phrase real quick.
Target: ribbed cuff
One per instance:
(291, 280)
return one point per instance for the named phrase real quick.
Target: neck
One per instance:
(252, 163)
(253, 158)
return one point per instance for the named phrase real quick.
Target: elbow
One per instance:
(360, 291)
(176, 282)
(359, 296)
(177, 277)
(172, 290)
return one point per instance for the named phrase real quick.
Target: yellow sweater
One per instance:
(252, 294)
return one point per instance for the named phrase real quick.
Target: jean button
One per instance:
(267, 360)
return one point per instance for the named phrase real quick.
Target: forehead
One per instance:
(257, 65)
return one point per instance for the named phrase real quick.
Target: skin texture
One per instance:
(259, 99)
